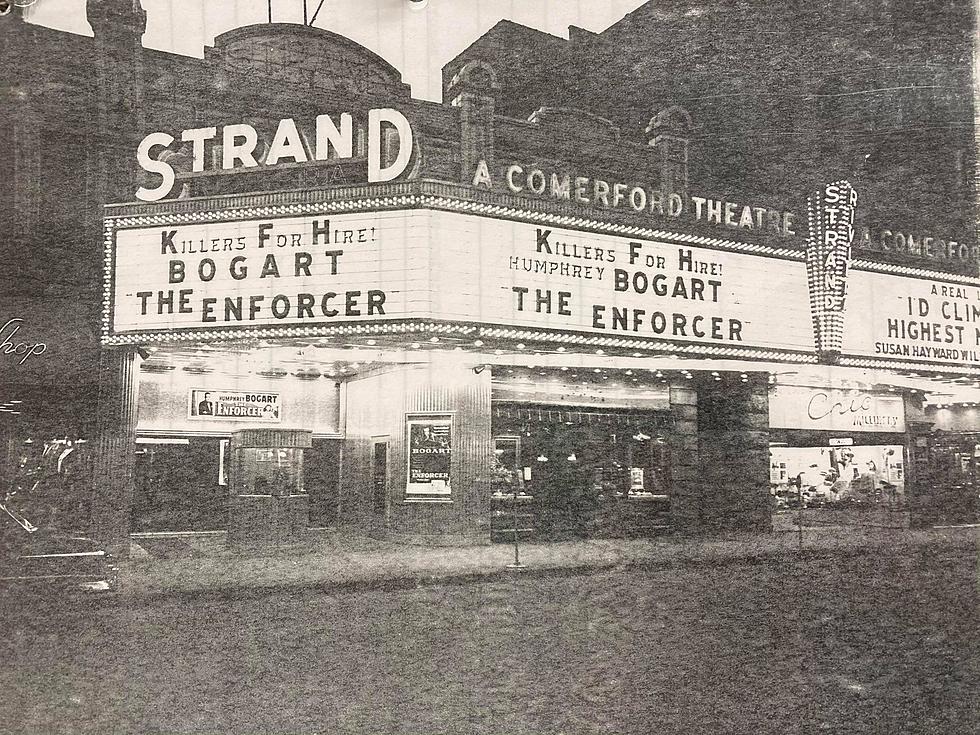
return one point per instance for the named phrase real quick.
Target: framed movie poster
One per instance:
(235, 405)
(430, 455)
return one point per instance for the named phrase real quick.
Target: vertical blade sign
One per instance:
(830, 216)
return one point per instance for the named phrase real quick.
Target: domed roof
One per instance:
(313, 58)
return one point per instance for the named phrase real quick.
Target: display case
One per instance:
(632, 483)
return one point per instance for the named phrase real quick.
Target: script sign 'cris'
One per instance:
(830, 216)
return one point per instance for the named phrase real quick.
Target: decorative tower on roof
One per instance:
(472, 90)
(669, 134)
(118, 26)
(116, 17)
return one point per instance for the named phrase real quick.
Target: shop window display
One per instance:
(951, 478)
(830, 477)
(580, 474)
(511, 503)
(506, 476)
(50, 481)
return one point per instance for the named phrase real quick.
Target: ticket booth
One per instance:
(268, 504)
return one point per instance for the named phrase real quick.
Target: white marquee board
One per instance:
(426, 264)
(912, 319)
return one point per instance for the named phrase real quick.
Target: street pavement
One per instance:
(328, 560)
(674, 637)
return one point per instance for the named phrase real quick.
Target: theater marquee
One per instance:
(913, 320)
(307, 273)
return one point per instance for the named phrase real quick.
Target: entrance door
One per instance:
(321, 468)
(379, 483)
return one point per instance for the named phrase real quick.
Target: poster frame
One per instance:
(431, 419)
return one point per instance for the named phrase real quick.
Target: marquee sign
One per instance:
(315, 271)
(830, 219)
(913, 320)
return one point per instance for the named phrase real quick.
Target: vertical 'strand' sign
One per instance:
(830, 216)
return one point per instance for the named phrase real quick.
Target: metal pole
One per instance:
(315, 13)
(799, 511)
(517, 551)
(270, 11)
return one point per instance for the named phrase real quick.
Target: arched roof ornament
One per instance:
(473, 76)
(673, 120)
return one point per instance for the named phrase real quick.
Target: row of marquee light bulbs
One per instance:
(338, 370)
(313, 365)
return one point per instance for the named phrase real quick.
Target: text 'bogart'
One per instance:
(240, 146)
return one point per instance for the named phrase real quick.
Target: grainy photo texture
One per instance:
(492, 367)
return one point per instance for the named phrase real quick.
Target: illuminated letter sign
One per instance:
(305, 273)
(240, 143)
(830, 216)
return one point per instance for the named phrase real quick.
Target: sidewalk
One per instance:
(335, 560)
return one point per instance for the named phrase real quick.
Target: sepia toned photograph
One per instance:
(489, 367)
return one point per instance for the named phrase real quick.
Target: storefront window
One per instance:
(950, 478)
(857, 476)
(506, 476)
(49, 481)
(588, 472)
(647, 465)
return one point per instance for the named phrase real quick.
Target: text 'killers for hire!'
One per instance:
(286, 261)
